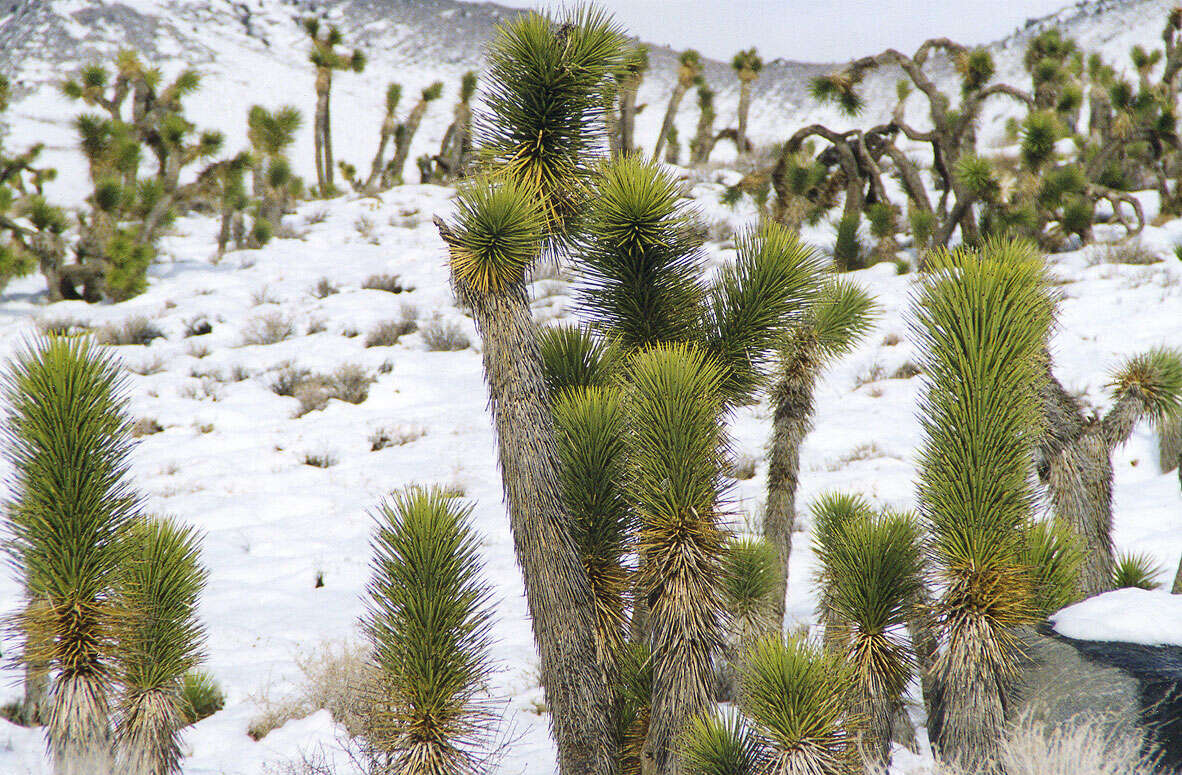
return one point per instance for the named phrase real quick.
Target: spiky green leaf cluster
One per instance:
(980, 322)
(541, 123)
(795, 695)
(496, 234)
(590, 426)
(838, 89)
(1052, 556)
(1155, 377)
(68, 440)
(1039, 133)
(1138, 571)
(754, 300)
(428, 618)
(572, 358)
(721, 745)
(639, 257)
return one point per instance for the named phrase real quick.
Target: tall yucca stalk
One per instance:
(870, 568)
(542, 121)
(675, 478)
(428, 616)
(835, 321)
(591, 428)
(68, 441)
(796, 696)
(980, 321)
(1077, 454)
(160, 642)
(494, 239)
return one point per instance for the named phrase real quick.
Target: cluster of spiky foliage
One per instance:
(721, 745)
(1052, 557)
(325, 57)
(675, 461)
(747, 65)
(543, 103)
(795, 695)
(270, 133)
(980, 321)
(159, 643)
(633, 707)
(838, 317)
(572, 358)
(497, 234)
(871, 576)
(750, 573)
(1135, 570)
(428, 619)
(68, 441)
(639, 258)
(590, 425)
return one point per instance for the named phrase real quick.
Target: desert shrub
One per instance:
(324, 288)
(743, 467)
(395, 437)
(384, 282)
(350, 383)
(1131, 251)
(288, 380)
(335, 676)
(198, 326)
(388, 332)
(1135, 570)
(269, 329)
(133, 331)
(201, 695)
(320, 459)
(145, 426)
(444, 337)
(63, 326)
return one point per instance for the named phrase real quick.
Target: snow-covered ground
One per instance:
(231, 459)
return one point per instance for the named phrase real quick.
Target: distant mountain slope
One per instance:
(253, 51)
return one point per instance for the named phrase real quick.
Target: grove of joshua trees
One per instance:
(663, 646)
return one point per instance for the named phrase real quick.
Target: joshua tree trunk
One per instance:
(744, 108)
(457, 144)
(793, 402)
(1169, 444)
(628, 115)
(969, 727)
(78, 729)
(149, 746)
(389, 128)
(402, 141)
(921, 628)
(320, 131)
(679, 90)
(561, 606)
(1177, 588)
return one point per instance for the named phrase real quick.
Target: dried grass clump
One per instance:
(269, 329)
(444, 337)
(133, 331)
(335, 676)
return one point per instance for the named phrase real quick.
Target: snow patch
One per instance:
(1151, 618)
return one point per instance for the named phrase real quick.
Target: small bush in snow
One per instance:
(197, 326)
(395, 437)
(61, 326)
(388, 332)
(444, 337)
(320, 459)
(336, 677)
(269, 329)
(350, 383)
(1129, 252)
(324, 288)
(384, 282)
(133, 331)
(145, 426)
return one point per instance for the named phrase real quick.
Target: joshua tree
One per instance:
(870, 571)
(747, 65)
(980, 321)
(388, 131)
(749, 584)
(496, 237)
(232, 200)
(456, 149)
(68, 441)
(325, 58)
(270, 134)
(160, 642)
(629, 78)
(540, 163)
(405, 134)
(952, 137)
(1075, 455)
(689, 68)
(835, 322)
(428, 618)
(703, 142)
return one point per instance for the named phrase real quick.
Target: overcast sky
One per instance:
(817, 30)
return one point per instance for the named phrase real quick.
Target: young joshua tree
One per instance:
(832, 325)
(160, 641)
(68, 441)
(980, 321)
(386, 134)
(270, 134)
(870, 570)
(428, 617)
(1075, 456)
(747, 66)
(405, 134)
(689, 68)
(325, 58)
